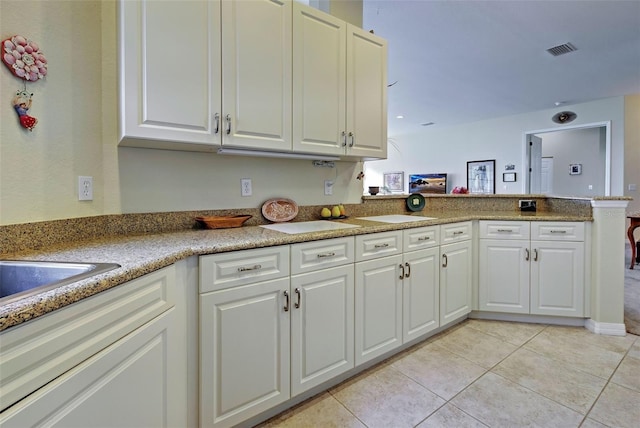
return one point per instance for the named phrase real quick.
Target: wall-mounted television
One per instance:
(428, 183)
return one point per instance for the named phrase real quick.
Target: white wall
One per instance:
(448, 149)
(576, 146)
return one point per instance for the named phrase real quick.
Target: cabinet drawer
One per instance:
(421, 237)
(310, 256)
(504, 229)
(455, 232)
(378, 245)
(220, 271)
(557, 231)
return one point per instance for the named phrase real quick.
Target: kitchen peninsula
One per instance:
(148, 246)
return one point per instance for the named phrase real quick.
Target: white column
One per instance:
(607, 268)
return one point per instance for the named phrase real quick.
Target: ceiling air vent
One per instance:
(562, 49)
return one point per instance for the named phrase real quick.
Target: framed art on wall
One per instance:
(481, 176)
(508, 177)
(393, 181)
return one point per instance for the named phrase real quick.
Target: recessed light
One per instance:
(399, 116)
(559, 103)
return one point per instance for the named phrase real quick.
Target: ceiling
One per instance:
(464, 61)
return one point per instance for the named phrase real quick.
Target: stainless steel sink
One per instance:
(21, 278)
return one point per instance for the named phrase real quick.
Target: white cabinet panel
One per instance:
(244, 351)
(310, 256)
(322, 326)
(421, 293)
(377, 245)
(225, 270)
(557, 278)
(455, 281)
(420, 237)
(455, 232)
(504, 275)
(378, 307)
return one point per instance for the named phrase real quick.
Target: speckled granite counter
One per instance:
(139, 254)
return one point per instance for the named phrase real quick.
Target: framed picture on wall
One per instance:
(481, 176)
(508, 177)
(394, 181)
(575, 169)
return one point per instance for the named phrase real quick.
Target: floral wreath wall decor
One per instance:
(25, 60)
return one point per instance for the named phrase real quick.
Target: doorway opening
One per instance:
(580, 165)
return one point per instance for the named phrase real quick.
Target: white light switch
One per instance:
(632, 187)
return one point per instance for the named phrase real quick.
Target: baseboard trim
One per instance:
(606, 328)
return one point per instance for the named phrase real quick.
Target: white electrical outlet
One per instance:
(85, 188)
(328, 187)
(245, 187)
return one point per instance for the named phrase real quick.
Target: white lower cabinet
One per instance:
(138, 380)
(378, 298)
(420, 293)
(456, 271)
(532, 268)
(244, 351)
(322, 329)
(262, 342)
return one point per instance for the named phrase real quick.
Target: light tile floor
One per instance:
(489, 374)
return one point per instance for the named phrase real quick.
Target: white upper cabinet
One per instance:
(339, 87)
(169, 73)
(196, 75)
(256, 74)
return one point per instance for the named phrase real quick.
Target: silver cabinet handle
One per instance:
(322, 255)
(505, 230)
(445, 260)
(401, 266)
(297, 304)
(385, 245)
(557, 231)
(424, 238)
(353, 139)
(245, 269)
(286, 301)
(228, 119)
(216, 118)
(526, 252)
(344, 139)
(535, 255)
(408, 274)
(458, 232)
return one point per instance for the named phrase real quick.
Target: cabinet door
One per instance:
(169, 70)
(455, 281)
(321, 326)
(504, 276)
(421, 293)
(131, 383)
(256, 74)
(378, 299)
(319, 81)
(366, 94)
(557, 278)
(244, 351)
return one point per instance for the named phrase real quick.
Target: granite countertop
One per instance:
(142, 254)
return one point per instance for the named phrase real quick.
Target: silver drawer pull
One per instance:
(557, 231)
(505, 230)
(245, 269)
(458, 232)
(320, 256)
(424, 238)
(385, 245)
